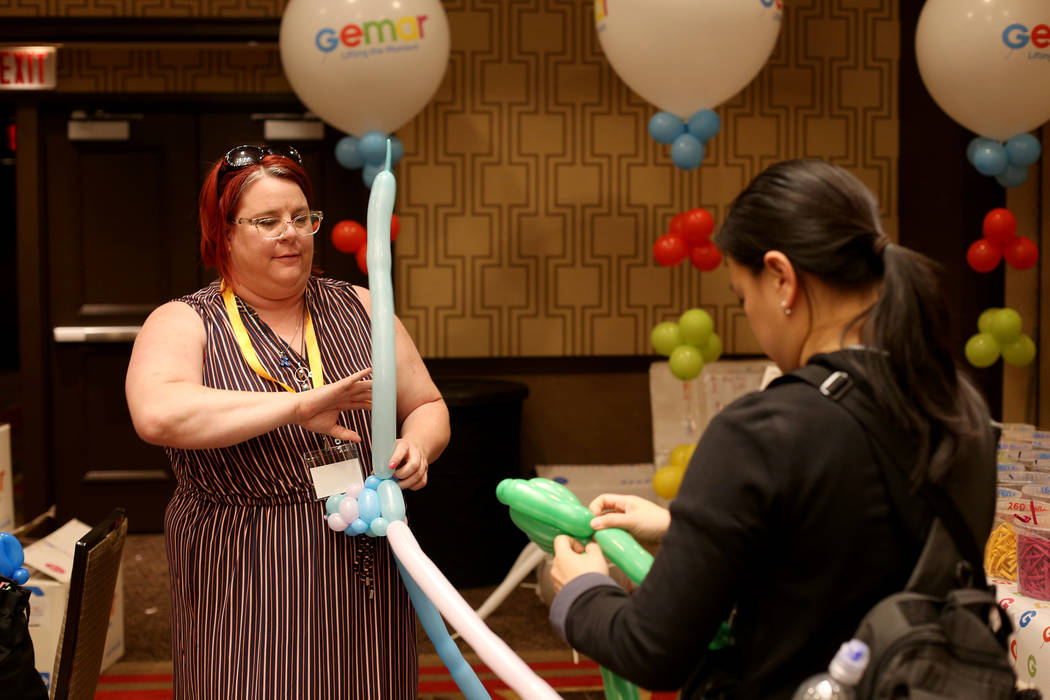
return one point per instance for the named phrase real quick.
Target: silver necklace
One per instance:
(287, 358)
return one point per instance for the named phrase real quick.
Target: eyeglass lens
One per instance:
(304, 224)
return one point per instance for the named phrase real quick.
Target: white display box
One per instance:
(51, 559)
(682, 410)
(7, 489)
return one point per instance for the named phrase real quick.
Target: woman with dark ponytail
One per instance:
(783, 519)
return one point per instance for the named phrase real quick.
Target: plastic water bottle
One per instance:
(842, 676)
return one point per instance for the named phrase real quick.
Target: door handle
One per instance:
(95, 334)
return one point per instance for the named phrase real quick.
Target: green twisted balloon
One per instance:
(544, 509)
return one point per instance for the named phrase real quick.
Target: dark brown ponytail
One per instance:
(827, 223)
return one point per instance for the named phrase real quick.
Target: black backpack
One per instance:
(926, 646)
(18, 675)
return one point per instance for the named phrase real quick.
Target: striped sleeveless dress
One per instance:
(267, 601)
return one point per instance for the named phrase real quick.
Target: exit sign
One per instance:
(27, 67)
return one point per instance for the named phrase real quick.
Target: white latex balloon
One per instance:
(492, 650)
(687, 55)
(365, 65)
(986, 63)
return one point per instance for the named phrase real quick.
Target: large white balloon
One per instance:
(986, 63)
(687, 55)
(369, 65)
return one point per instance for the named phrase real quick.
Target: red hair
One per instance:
(218, 201)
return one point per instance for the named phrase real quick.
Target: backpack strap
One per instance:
(841, 388)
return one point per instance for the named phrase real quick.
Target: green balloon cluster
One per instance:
(688, 344)
(999, 334)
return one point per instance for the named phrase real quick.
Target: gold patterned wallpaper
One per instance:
(533, 192)
(530, 193)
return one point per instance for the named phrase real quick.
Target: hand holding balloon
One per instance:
(572, 559)
(645, 520)
(409, 464)
(544, 509)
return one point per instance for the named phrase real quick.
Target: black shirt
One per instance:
(783, 514)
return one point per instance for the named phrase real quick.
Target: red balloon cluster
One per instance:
(689, 236)
(350, 237)
(1001, 241)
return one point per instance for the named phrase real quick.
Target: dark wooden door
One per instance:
(122, 238)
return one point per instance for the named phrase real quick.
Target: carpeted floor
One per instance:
(144, 672)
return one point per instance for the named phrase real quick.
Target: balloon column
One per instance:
(365, 67)
(368, 153)
(689, 343)
(378, 508)
(686, 57)
(984, 63)
(1000, 240)
(11, 559)
(689, 235)
(688, 139)
(351, 238)
(1007, 163)
(668, 478)
(999, 333)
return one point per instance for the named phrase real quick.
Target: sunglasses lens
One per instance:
(244, 155)
(287, 152)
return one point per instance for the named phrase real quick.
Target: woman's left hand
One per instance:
(410, 465)
(572, 559)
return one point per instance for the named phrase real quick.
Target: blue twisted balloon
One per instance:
(384, 367)
(385, 503)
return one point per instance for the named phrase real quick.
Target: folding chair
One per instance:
(96, 563)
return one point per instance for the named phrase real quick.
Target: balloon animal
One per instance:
(544, 509)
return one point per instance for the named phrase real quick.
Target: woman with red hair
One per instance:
(240, 382)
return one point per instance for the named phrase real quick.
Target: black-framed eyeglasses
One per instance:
(242, 156)
(274, 226)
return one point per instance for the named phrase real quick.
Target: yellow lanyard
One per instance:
(313, 351)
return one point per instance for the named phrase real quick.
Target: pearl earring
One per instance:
(787, 309)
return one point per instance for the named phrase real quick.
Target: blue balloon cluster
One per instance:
(1007, 163)
(368, 153)
(367, 509)
(11, 559)
(688, 139)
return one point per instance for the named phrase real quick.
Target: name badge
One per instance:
(334, 469)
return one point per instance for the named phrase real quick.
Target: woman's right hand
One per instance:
(319, 408)
(644, 519)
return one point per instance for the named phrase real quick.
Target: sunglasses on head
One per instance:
(243, 156)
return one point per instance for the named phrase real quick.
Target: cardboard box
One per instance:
(51, 559)
(7, 491)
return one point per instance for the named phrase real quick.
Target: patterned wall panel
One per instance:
(532, 192)
(256, 9)
(117, 69)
